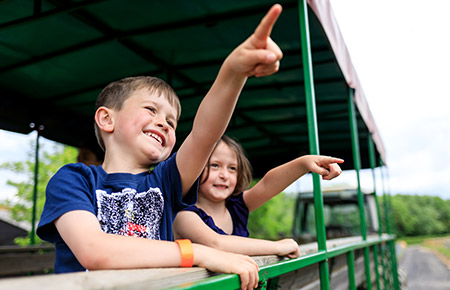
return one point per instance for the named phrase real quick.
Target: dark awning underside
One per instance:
(55, 60)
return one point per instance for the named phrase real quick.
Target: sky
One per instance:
(401, 52)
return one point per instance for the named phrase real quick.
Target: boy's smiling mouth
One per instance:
(157, 137)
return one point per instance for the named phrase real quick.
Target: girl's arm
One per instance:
(97, 250)
(189, 225)
(277, 179)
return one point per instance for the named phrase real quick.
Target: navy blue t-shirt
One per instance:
(239, 215)
(141, 205)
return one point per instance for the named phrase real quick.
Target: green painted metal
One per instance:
(267, 272)
(357, 165)
(336, 251)
(35, 192)
(224, 281)
(386, 223)
(351, 270)
(287, 266)
(313, 136)
(372, 166)
(357, 161)
(385, 204)
(377, 272)
(380, 225)
(394, 265)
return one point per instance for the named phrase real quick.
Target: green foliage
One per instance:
(273, 220)
(415, 215)
(49, 163)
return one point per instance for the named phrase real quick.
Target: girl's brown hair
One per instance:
(244, 168)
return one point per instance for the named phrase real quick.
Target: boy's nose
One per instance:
(161, 123)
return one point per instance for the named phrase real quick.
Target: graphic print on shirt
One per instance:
(129, 213)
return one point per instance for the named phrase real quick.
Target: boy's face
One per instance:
(145, 126)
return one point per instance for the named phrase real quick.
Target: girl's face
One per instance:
(222, 174)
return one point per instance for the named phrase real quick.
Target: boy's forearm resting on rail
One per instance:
(97, 250)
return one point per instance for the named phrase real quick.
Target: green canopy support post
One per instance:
(351, 270)
(372, 161)
(357, 165)
(36, 180)
(391, 244)
(385, 204)
(313, 138)
(386, 222)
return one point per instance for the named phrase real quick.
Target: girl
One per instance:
(219, 218)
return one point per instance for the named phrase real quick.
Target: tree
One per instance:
(49, 162)
(274, 219)
(415, 215)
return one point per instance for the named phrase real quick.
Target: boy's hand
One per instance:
(225, 262)
(326, 166)
(259, 55)
(288, 248)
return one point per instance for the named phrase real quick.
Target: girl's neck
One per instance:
(211, 207)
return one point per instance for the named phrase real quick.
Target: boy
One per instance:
(91, 211)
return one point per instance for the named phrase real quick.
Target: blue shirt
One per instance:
(239, 215)
(141, 205)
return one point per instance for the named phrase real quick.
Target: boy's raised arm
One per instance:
(256, 56)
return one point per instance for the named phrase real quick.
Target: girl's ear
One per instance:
(104, 120)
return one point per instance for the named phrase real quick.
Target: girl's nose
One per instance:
(223, 173)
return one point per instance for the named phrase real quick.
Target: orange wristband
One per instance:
(187, 253)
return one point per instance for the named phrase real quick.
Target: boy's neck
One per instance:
(114, 165)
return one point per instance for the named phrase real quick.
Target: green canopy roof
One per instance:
(55, 59)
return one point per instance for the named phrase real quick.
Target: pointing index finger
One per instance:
(264, 28)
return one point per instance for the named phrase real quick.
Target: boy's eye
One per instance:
(151, 109)
(171, 124)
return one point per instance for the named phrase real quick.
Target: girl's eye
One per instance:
(214, 165)
(233, 168)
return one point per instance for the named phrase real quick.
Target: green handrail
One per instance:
(267, 272)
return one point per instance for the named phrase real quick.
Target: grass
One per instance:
(438, 243)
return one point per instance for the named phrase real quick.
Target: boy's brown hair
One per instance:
(116, 93)
(244, 168)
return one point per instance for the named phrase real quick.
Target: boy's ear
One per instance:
(104, 120)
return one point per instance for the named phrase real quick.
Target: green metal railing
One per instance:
(270, 272)
(383, 246)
